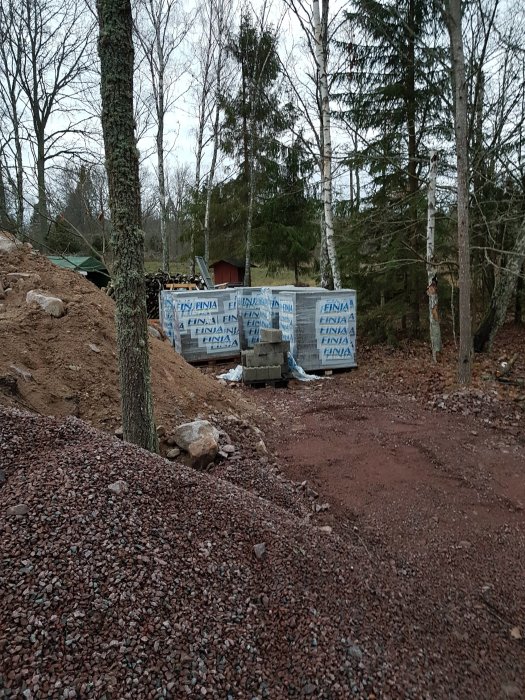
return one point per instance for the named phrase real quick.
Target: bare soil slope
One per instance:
(68, 366)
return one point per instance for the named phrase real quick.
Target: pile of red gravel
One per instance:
(157, 591)
(124, 575)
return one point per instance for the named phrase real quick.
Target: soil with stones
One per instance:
(432, 484)
(68, 366)
(360, 536)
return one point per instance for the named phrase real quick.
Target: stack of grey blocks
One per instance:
(321, 327)
(268, 360)
(201, 325)
(269, 313)
(250, 300)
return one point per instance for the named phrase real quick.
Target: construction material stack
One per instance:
(269, 313)
(321, 327)
(250, 301)
(268, 360)
(202, 325)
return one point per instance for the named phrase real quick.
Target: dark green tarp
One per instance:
(93, 269)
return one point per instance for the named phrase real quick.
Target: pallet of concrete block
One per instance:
(250, 302)
(267, 361)
(321, 327)
(202, 324)
(269, 311)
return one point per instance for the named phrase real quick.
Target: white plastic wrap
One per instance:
(201, 324)
(321, 327)
(250, 301)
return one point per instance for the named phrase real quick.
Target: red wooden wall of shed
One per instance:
(226, 273)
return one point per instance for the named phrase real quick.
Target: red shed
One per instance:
(228, 271)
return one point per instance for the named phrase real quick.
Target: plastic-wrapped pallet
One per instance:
(250, 301)
(202, 325)
(269, 314)
(321, 327)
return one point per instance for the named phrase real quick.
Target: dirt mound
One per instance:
(68, 366)
(159, 591)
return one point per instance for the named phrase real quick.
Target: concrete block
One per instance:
(250, 374)
(254, 361)
(261, 349)
(247, 358)
(274, 372)
(274, 358)
(271, 335)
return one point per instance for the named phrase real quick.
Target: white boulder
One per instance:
(188, 433)
(51, 305)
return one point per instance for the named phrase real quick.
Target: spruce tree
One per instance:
(393, 98)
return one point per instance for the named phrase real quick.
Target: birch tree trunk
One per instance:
(115, 47)
(453, 20)
(325, 271)
(432, 288)
(320, 36)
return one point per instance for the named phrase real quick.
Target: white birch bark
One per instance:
(432, 288)
(326, 155)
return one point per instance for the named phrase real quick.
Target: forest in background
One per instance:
(311, 129)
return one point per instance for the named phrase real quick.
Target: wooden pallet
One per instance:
(188, 285)
(213, 361)
(281, 383)
(329, 371)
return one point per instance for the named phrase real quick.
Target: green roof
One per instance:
(78, 262)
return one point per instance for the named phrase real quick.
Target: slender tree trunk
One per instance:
(326, 280)
(357, 179)
(19, 181)
(200, 135)
(164, 234)
(195, 222)
(453, 18)
(115, 47)
(249, 212)
(5, 220)
(161, 177)
(211, 176)
(518, 306)
(320, 31)
(432, 288)
(504, 288)
(413, 185)
(43, 216)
